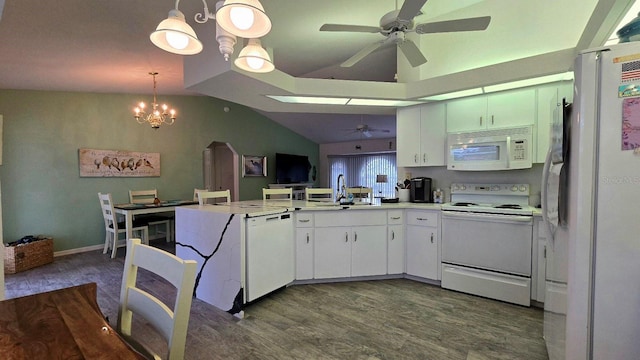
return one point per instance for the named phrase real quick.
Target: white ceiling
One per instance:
(103, 46)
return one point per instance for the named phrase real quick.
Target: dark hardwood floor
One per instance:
(383, 319)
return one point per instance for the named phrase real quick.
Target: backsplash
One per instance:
(443, 178)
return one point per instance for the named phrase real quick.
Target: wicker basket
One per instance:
(27, 256)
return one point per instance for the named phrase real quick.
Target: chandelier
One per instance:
(155, 117)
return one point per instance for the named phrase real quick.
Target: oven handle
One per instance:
(514, 219)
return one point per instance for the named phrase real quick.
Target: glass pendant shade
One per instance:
(176, 36)
(243, 18)
(254, 58)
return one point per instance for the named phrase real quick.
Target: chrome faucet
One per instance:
(341, 189)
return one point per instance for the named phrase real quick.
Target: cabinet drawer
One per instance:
(304, 219)
(422, 218)
(395, 217)
(350, 218)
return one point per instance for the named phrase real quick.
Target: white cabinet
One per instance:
(304, 245)
(350, 243)
(549, 106)
(422, 244)
(395, 242)
(421, 135)
(499, 110)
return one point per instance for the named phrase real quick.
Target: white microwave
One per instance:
(503, 149)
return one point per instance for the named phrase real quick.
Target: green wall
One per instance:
(42, 192)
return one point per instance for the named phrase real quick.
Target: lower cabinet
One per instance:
(395, 242)
(422, 239)
(304, 245)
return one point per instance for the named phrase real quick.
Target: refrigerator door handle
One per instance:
(546, 170)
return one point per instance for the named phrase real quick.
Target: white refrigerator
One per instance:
(598, 315)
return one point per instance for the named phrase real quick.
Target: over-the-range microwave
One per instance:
(500, 149)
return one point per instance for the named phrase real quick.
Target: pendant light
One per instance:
(254, 58)
(176, 36)
(243, 18)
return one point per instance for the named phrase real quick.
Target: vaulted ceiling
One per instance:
(103, 46)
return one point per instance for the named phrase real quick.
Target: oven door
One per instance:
(494, 242)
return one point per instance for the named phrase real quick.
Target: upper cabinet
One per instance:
(549, 108)
(421, 135)
(500, 110)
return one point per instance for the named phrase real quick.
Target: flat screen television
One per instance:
(291, 169)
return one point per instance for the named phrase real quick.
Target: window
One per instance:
(361, 170)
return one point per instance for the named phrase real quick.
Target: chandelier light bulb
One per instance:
(242, 17)
(177, 40)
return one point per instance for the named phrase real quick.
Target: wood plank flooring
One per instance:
(384, 319)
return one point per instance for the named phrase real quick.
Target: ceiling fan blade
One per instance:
(350, 28)
(469, 24)
(363, 53)
(410, 9)
(412, 53)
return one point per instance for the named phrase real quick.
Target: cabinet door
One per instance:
(467, 114)
(433, 135)
(368, 251)
(304, 253)
(408, 136)
(395, 249)
(422, 251)
(547, 107)
(332, 253)
(511, 108)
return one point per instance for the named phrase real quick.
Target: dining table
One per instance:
(59, 324)
(131, 210)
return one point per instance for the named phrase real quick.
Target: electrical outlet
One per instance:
(407, 175)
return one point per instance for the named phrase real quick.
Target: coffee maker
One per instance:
(421, 190)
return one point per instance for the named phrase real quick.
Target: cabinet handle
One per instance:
(545, 252)
(480, 120)
(491, 119)
(415, 158)
(303, 220)
(432, 238)
(346, 237)
(393, 235)
(422, 219)
(355, 236)
(424, 158)
(395, 217)
(307, 238)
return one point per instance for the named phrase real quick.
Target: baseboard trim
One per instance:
(78, 250)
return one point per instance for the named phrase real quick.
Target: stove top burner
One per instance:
(508, 206)
(464, 204)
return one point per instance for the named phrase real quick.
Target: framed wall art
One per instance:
(254, 165)
(118, 163)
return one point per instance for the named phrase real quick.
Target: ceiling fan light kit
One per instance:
(174, 35)
(234, 18)
(397, 23)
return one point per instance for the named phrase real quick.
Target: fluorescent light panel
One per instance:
(341, 101)
(455, 94)
(529, 82)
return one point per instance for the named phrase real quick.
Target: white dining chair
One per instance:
(113, 228)
(360, 193)
(196, 191)
(277, 194)
(161, 222)
(169, 319)
(207, 197)
(319, 194)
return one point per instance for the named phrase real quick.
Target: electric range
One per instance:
(508, 199)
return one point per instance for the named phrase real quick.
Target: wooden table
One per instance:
(131, 210)
(60, 324)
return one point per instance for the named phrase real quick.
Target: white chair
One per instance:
(113, 228)
(319, 194)
(171, 323)
(196, 191)
(360, 193)
(277, 194)
(160, 222)
(204, 196)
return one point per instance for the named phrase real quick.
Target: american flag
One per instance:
(631, 70)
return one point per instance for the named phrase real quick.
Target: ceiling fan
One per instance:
(365, 130)
(397, 23)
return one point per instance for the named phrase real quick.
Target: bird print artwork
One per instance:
(114, 163)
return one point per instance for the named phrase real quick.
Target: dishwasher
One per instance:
(270, 254)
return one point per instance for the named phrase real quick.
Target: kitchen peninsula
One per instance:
(248, 249)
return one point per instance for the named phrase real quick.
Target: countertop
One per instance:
(260, 207)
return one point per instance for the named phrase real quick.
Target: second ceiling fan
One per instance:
(395, 24)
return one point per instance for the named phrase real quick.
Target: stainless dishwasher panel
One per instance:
(488, 241)
(270, 254)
